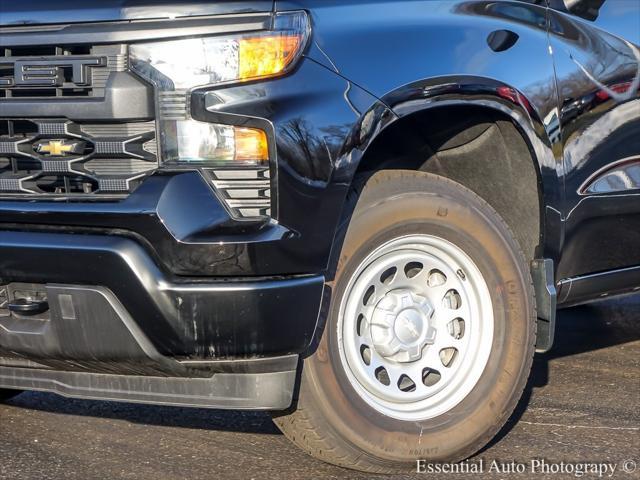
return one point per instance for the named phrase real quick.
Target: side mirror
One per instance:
(587, 9)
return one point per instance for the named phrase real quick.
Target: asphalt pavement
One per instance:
(581, 406)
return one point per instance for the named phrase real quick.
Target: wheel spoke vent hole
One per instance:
(365, 353)
(368, 295)
(412, 269)
(383, 376)
(430, 377)
(452, 300)
(388, 275)
(360, 325)
(406, 384)
(436, 278)
(456, 328)
(447, 356)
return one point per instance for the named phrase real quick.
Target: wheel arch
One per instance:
(427, 108)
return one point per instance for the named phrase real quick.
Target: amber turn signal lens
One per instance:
(267, 55)
(251, 145)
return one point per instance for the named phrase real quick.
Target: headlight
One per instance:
(176, 67)
(200, 142)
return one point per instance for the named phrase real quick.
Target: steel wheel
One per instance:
(429, 335)
(415, 327)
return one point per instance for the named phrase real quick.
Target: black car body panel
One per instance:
(204, 285)
(42, 12)
(601, 217)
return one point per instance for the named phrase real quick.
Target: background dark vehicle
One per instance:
(360, 215)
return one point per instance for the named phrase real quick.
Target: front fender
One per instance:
(416, 55)
(441, 92)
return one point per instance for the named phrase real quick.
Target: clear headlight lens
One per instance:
(184, 64)
(201, 142)
(177, 66)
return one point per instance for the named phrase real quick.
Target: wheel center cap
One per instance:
(409, 325)
(401, 325)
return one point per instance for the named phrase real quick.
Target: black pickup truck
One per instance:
(358, 215)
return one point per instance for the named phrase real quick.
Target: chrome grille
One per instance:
(100, 159)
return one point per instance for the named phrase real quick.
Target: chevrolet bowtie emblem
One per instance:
(59, 148)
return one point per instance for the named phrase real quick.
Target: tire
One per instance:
(342, 416)
(6, 394)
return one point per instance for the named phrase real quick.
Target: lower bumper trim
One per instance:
(243, 391)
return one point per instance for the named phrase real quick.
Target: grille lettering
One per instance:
(50, 73)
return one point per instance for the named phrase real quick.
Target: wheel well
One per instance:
(478, 147)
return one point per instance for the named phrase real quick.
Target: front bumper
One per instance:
(119, 327)
(188, 318)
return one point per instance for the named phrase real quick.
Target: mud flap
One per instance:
(546, 302)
